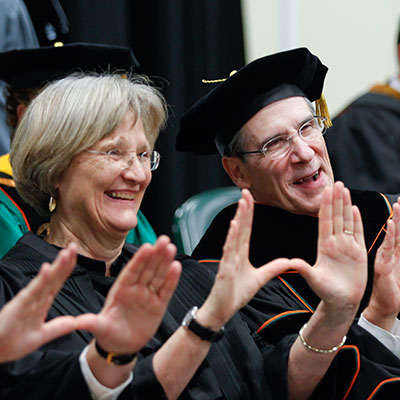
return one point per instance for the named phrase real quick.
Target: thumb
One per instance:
(274, 268)
(88, 322)
(301, 266)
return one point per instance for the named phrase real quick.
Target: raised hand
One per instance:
(137, 300)
(384, 304)
(339, 278)
(237, 280)
(22, 320)
(339, 275)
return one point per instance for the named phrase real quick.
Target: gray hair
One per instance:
(68, 117)
(239, 140)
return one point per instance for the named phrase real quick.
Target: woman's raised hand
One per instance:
(138, 299)
(22, 320)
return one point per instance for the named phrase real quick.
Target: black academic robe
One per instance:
(279, 233)
(364, 142)
(233, 369)
(277, 312)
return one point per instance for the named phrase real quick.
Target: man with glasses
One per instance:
(262, 122)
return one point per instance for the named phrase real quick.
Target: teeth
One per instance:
(314, 178)
(119, 195)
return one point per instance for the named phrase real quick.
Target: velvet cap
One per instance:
(31, 68)
(211, 123)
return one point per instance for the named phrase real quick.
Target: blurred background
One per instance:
(180, 42)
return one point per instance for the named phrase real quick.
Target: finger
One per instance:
(162, 254)
(302, 267)
(170, 282)
(162, 268)
(325, 222)
(63, 265)
(232, 241)
(348, 217)
(239, 218)
(58, 327)
(396, 221)
(338, 188)
(274, 268)
(358, 226)
(386, 249)
(135, 266)
(228, 264)
(248, 220)
(88, 322)
(51, 276)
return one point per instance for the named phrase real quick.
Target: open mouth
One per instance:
(121, 195)
(310, 178)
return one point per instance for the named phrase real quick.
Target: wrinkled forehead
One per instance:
(279, 115)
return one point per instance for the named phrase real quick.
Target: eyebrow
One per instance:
(299, 125)
(309, 118)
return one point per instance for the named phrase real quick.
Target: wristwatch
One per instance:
(189, 322)
(114, 358)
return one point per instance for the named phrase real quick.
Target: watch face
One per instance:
(189, 316)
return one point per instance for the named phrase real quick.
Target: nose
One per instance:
(134, 170)
(300, 150)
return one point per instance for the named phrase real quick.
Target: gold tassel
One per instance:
(321, 109)
(218, 80)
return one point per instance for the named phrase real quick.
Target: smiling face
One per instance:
(100, 195)
(294, 182)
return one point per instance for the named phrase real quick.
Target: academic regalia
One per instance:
(364, 141)
(279, 233)
(233, 369)
(280, 308)
(18, 217)
(283, 305)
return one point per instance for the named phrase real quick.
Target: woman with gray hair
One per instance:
(83, 154)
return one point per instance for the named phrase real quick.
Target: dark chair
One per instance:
(195, 215)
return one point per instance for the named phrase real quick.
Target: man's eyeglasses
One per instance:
(146, 159)
(280, 145)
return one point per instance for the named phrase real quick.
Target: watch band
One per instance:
(189, 322)
(114, 358)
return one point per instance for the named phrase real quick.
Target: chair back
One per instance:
(195, 215)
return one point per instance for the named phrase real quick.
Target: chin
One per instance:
(125, 225)
(312, 211)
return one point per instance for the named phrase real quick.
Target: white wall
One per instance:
(354, 38)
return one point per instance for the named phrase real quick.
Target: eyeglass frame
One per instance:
(138, 157)
(264, 148)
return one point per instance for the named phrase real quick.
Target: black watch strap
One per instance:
(114, 358)
(189, 322)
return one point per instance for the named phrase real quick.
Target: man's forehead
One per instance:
(279, 115)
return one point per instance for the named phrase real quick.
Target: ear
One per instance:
(236, 170)
(21, 108)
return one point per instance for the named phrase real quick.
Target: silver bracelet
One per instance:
(309, 347)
